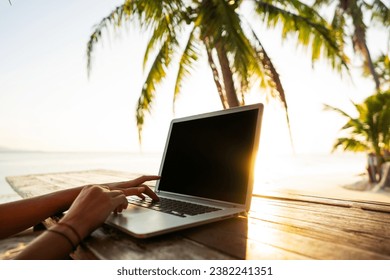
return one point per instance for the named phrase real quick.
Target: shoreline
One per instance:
(361, 190)
(335, 176)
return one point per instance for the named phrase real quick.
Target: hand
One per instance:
(95, 202)
(128, 185)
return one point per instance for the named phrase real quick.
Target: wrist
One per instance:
(75, 229)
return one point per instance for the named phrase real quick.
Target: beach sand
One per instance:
(340, 176)
(357, 188)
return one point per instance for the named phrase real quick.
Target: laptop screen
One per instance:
(211, 156)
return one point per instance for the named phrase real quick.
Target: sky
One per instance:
(48, 103)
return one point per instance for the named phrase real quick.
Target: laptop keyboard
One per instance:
(171, 206)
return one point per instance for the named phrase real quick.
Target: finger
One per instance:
(119, 202)
(143, 189)
(145, 178)
(135, 182)
(133, 191)
(124, 205)
(115, 193)
(150, 193)
(120, 208)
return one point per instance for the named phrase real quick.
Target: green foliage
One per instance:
(351, 19)
(182, 29)
(310, 29)
(382, 68)
(370, 130)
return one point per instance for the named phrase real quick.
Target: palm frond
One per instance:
(240, 52)
(189, 57)
(271, 78)
(160, 32)
(309, 28)
(352, 123)
(146, 13)
(221, 30)
(156, 74)
(350, 144)
(370, 131)
(339, 26)
(151, 12)
(114, 18)
(382, 68)
(167, 25)
(381, 12)
(338, 110)
(356, 127)
(221, 24)
(269, 72)
(319, 3)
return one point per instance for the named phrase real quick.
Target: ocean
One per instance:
(23, 163)
(312, 174)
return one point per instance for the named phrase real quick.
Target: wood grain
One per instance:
(279, 226)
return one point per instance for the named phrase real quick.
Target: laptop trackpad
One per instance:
(139, 221)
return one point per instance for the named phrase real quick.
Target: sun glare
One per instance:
(259, 229)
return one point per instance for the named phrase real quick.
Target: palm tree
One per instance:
(352, 14)
(188, 29)
(370, 130)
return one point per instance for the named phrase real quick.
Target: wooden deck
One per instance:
(278, 227)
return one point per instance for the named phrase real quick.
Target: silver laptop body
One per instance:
(208, 160)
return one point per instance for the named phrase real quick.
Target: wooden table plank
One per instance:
(109, 243)
(11, 246)
(231, 237)
(351, 227)
(350, 220)
(279, 226)
(38, 184)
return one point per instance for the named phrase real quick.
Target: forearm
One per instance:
(56, 243)
(20, 215)
(89, 210)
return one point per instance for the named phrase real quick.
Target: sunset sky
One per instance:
(47, 102)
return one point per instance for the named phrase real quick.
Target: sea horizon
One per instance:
(315, 174)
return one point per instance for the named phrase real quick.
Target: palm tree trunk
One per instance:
(379, 162)
(359, 36)
(230, 90)
(361, 45)
(215, 75)
(370, 65)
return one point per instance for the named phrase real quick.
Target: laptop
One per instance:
(206, 174)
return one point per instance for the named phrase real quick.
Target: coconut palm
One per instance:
(370, 131)
(186, 30)
(349, 20)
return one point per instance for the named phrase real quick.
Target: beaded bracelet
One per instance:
(74, 246)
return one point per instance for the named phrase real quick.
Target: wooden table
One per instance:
(279, 226)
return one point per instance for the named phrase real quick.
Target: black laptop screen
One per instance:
(211, 157)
